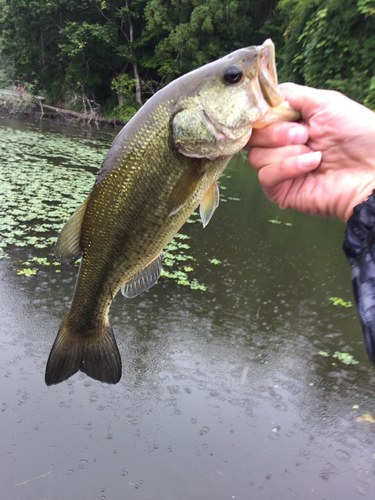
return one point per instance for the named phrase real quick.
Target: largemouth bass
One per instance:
(163, 164)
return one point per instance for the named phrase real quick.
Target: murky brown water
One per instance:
(224, 394)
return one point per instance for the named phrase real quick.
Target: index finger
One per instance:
(278, 135)
(307, 100)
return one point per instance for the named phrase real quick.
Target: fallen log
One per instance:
(114, 122)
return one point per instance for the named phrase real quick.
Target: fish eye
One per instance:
(233, 74)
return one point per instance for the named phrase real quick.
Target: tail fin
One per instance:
(96, 355)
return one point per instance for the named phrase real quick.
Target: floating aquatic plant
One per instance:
(30, 266)
(340, 302)
(344, 357)
(42, 181)
(275, 221)
(366, 418)
(173, 256)
(214, 261)
(26, 272)
(3, 255)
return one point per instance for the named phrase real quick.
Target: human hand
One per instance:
(324, 166)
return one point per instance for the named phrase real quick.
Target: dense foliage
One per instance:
(118, 52)
(330, 44)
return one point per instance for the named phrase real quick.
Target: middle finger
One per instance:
(260, 157)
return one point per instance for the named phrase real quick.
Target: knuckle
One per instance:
(283, 169)
(265, 179)
(279, 133)
(255, 156)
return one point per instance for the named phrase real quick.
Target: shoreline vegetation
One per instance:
(98, 61)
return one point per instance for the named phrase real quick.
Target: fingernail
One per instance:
(298, 135)
(309, 161)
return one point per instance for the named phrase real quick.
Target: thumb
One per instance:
(306, 100)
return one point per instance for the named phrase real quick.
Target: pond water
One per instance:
(230, 388)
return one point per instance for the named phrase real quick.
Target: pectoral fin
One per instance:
(185, 187)
(209, 203)
(68, 248)
(144, 279)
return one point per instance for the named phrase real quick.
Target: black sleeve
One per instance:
(359, 248)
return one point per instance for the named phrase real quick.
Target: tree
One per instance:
(189, 33)
(330, 44)
(81, 46)
(115, 52)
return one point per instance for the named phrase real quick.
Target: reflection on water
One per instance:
(223, 395)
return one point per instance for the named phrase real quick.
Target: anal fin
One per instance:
(144, 279)
(209, 203)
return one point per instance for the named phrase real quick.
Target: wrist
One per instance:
(359, 198)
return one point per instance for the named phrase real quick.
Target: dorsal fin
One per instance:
(209, 203)
(68, 248)
(144, 279)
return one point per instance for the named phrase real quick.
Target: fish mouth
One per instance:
(265, 92)
(267, 74)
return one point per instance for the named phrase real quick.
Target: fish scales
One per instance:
(135, 226)
(137, 232)
(162, 165)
